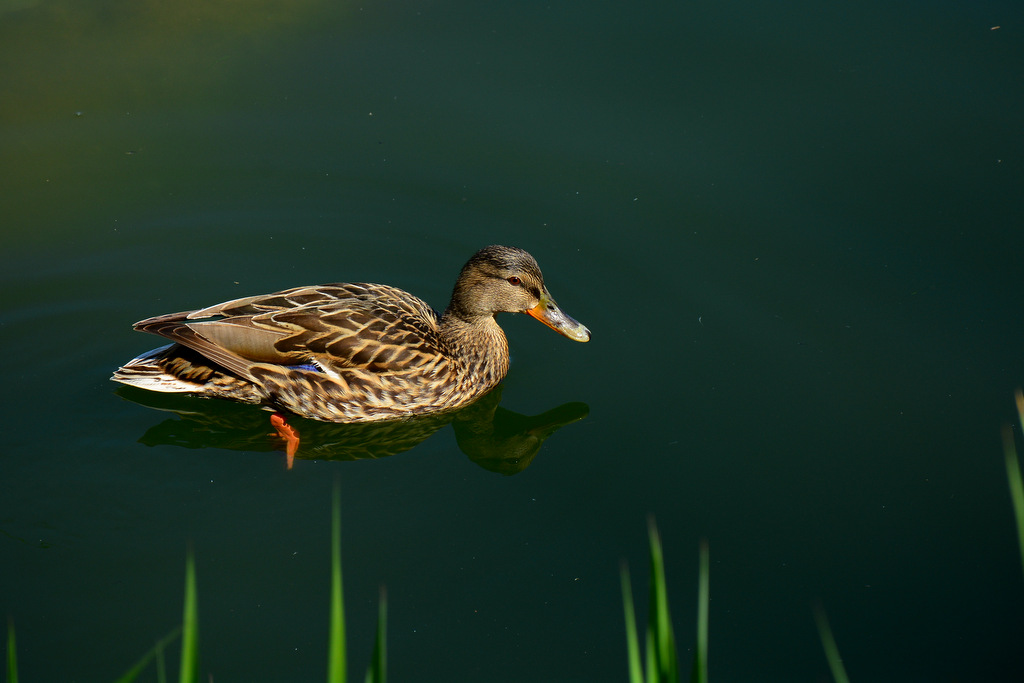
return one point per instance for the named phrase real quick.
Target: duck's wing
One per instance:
(330, 327)
(376, 328)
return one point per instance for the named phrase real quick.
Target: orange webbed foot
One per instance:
(288, 433)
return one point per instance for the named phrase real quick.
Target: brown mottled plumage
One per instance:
(352, 352)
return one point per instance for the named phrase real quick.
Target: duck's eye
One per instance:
(514, 281)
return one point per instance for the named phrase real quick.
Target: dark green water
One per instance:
(795, 231)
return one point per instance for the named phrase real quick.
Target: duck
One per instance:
(352, 352)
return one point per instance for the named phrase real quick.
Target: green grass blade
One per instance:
(1013, 476)
(161, 664)
(835, 662)
(336, 664)
(156, 651)
(190, 626)
(1019, 396)
(12, 653)
(651, 657)
(659, 619)
(636, 674)
(700, 660)
(378, 670)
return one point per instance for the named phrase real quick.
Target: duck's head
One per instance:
(506, 279)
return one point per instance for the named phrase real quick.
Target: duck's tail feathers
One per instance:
(147, 371)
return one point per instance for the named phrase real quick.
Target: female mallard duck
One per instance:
(352, 352)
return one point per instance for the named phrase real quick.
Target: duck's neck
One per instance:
(480, 347)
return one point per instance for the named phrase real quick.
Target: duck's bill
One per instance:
(548, 312)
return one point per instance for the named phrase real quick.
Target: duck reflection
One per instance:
(493, 437)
